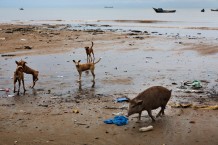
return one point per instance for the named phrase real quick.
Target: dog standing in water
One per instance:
(28, 70)
(90, 51)
(84, 67)
(18, 76)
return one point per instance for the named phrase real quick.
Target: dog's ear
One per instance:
(79, 60)
(16, 62)
(24, 62)
(74, 61)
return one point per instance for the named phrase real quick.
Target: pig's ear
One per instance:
(139, 102)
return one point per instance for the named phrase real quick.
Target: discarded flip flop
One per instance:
(118, 120)
(122, 99)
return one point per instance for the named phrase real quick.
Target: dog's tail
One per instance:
(98, 60)
(92, 45)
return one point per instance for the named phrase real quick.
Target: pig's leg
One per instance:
(140, 113)
(150, 114)
(161, 111)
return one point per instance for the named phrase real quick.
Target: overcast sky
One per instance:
(115, 3)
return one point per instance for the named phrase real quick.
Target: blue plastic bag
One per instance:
(118, 120)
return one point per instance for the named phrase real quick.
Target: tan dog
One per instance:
(89, 51)
(84, 67)
(28, 70)
(18, 76)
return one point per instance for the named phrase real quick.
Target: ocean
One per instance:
(184, 20)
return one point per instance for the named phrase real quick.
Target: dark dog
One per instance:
(84, 67)
(28, 70)
(89, 51)
(18, 76)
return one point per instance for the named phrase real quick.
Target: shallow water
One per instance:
(119, 72)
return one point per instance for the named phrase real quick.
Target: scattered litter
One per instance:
(75, 111)
(80, 123)
(118, 113)
(196, 84)
(3, 38)
(60, 76)
(7, 90)
(113, 107)
(180, 105)
(42, 105)
(215, 107)
(11, 95)
(118, 120)
(148, 128)
(23, 39)
(8, 55)
(27, 47)
(194, 91)
(118, 100)
(189, 105)
(191, 121)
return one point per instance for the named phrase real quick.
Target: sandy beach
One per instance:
(131, 62)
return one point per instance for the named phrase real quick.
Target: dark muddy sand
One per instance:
(130, 64)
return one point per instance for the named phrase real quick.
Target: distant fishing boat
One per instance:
(108, 7)
(21, 9)
(160, 10)
(214, 9)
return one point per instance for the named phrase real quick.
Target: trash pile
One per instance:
(191, 87)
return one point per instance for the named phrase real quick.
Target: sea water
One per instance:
(184, 21)
(185, 17)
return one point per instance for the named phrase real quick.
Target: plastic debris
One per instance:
(122, 99)
(75, 111)
(118, 120)
(148, 128)
(6, 90)
(11, 95)
(196, 84)
(118, 113)
(215, 107)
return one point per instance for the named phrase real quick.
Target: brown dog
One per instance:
(87, 66)
(18, 76)
(89, 51)
(28, 70)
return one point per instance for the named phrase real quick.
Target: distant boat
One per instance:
(160, 10)
(21, 9)
(214, 9)
(202, 10)
(108, 7)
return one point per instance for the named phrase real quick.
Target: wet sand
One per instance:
(131, 62)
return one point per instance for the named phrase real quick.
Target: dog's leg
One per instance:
(24, 90)
(15, 80)
(33, 81)
(87, 58)
(80, 74)
(93, 56)
(18, 87)
(93, 74)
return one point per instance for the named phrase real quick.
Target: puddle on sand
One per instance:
(119, 72)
